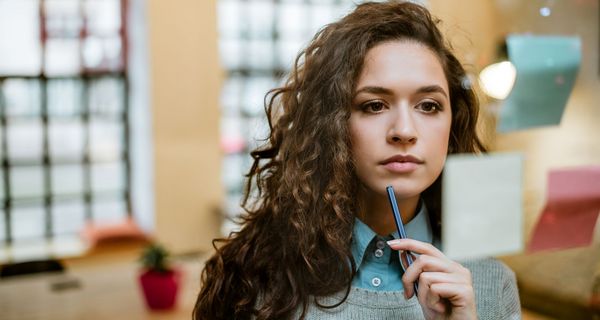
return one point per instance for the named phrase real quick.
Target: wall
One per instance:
(185, 82)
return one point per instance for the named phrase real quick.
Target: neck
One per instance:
(376, 211)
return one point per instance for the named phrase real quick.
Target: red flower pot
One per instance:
(160, 288)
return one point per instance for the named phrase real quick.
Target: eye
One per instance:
(429, 107)
(373, 106)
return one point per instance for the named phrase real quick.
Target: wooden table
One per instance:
(98, 288)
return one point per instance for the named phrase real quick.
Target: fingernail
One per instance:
(393, 242)
(405, 295)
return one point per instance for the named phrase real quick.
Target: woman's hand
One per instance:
(445, 286)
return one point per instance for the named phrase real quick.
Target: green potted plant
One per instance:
(158, 279)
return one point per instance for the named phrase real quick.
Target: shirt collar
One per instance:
(418, 228)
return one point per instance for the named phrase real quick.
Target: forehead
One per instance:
(402, 63)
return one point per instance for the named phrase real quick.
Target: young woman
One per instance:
(375, 100)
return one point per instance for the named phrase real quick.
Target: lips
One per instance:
(401, 163)
(402, 159)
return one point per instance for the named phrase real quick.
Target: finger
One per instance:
(426, 279)
(404, 259)
(441, 307)
(430, 299)
(416, 247)
(429, 278)
(424, 263)
(459, 295)
(404, 263)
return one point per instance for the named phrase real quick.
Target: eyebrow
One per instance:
(386, 91)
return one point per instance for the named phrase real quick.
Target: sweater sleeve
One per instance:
(496, 293)
(511, 305)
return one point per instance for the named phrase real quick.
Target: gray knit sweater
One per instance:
(495, 287)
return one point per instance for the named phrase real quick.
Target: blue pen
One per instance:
(400, 227)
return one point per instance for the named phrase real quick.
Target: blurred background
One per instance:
(124, 122)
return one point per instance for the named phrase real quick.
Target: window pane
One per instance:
(231, 94)
(27, 222)
(64, 97)
(108, 177)
(106, 140)
(230, 16)
(20, 52)
(102, 53)
(25, 140)
(254, 95)
(260, 54)
(346, 7)
(22, 97)
(66, 139)
(68, 217)
(232, 206)
(103, 16)
(232, 134)
(67, 179)
(63, 18)
(231, 53)
(233, 172)
(257, 130)
(27, 182)
(329, 2)
(320, 15)
(287, 51)
(260, 16)
(106, 97)
(62, 57)
(108, 212)
(292, 21)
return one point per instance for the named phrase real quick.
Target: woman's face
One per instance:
(400, 119)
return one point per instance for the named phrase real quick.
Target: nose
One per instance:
(402, 127)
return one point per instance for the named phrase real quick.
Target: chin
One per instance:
(404, 186)
(403, 189)
(403, 193)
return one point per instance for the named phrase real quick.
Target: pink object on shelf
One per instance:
(571, 210)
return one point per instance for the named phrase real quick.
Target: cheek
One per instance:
(443, 142)
(361, 140)
(438, 153)
(440, 136)
(358, 135)
(358, 150)
(444, 145)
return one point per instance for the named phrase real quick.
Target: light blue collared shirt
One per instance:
(378, 266)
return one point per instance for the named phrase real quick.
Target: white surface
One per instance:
(61, 246)
(482, 205)
(141, 148)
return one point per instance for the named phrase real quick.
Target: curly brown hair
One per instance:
(294, 244)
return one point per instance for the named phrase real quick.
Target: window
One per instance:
(259, 41)
(64, 114)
